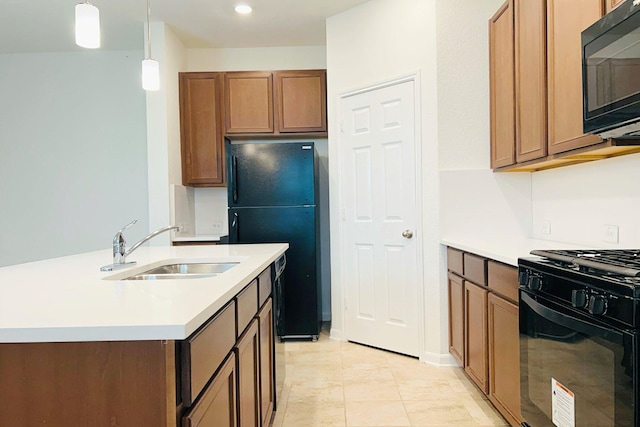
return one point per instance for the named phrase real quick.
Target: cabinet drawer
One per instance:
(205, 350)
(264, 286)
(247, 306)
(454, 260)
(218, 404)
(475, 269)
(503, 279)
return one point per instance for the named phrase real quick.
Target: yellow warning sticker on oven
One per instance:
(563, 405)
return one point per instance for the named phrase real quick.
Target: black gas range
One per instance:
(579, 323)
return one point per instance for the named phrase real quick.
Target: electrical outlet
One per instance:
(610, 233)
(216, 227)
(184, 227)
(545, 228)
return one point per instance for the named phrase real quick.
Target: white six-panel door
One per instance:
(378, 181)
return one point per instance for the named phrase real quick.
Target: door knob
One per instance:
(407, 234)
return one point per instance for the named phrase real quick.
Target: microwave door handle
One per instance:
(565, 319)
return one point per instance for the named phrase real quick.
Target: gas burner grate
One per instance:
(622, 262)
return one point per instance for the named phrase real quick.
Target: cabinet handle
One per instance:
(234, 178)
(235, 226)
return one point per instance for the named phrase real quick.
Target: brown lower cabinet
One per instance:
(209, 379)
(484, 329)
(217, 407)
(475, 335)
(456, 317)
(267, 386)
(504, 358)
(248, 361)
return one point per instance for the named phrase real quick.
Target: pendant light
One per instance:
(87, 25)
(150, 67)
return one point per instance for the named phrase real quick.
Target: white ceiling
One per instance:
(47, 25)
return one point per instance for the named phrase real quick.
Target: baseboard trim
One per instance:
(438, 359)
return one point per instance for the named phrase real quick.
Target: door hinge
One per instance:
(341, 126)
(346, 303)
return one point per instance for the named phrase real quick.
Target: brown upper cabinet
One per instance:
(536, 85)
(565, 23)
(531, 79)
(244, 104)
(501, 66)
(248, 101)
(612, 4)
(301, 101)
(201, 129)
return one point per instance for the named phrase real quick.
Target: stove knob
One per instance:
(579, 298)
(597, 304)
(523, 277)
(534, 283)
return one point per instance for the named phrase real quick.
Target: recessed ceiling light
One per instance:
(243, 8)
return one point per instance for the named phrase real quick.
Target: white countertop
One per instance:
(504, 250)
(70, 299)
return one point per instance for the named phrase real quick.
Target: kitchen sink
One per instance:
(184, 271)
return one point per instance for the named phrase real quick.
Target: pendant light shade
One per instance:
(87, 25)
(150, 67)
(150, 74)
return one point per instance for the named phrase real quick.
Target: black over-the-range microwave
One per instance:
(611, 73)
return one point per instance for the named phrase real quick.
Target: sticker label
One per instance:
(563, 405)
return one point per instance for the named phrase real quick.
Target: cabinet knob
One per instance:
(407, 234)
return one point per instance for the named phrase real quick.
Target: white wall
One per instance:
(463, 82)
(579, 200)
(378, 41)
(73, 164)
(474, 201)
(254, 59)
(163, 129)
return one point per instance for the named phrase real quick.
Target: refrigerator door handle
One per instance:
(235, 226)
(234, 178)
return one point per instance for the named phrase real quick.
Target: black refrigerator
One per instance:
(272, 191)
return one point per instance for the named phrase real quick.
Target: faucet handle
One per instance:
(127, 226)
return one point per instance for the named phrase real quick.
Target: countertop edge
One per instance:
(141, 331)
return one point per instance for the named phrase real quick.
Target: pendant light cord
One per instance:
(149, 28)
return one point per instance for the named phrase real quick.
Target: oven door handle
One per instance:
(570, 322)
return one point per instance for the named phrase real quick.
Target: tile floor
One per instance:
(333, 383)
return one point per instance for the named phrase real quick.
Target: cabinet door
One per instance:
(504, 358)
(267, 390)
(612, 4)
(531, 79)
(501, 74)
(565, 21)
(456, 318)
(201, 132)
(217, 407)
(475, 335)
(301, 101)
(248, 100)
(248, 355)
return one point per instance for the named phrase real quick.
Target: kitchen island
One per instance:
(81, 347)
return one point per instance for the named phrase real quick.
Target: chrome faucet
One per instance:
(120, 251)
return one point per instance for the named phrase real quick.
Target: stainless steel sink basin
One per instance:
(184, 271)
